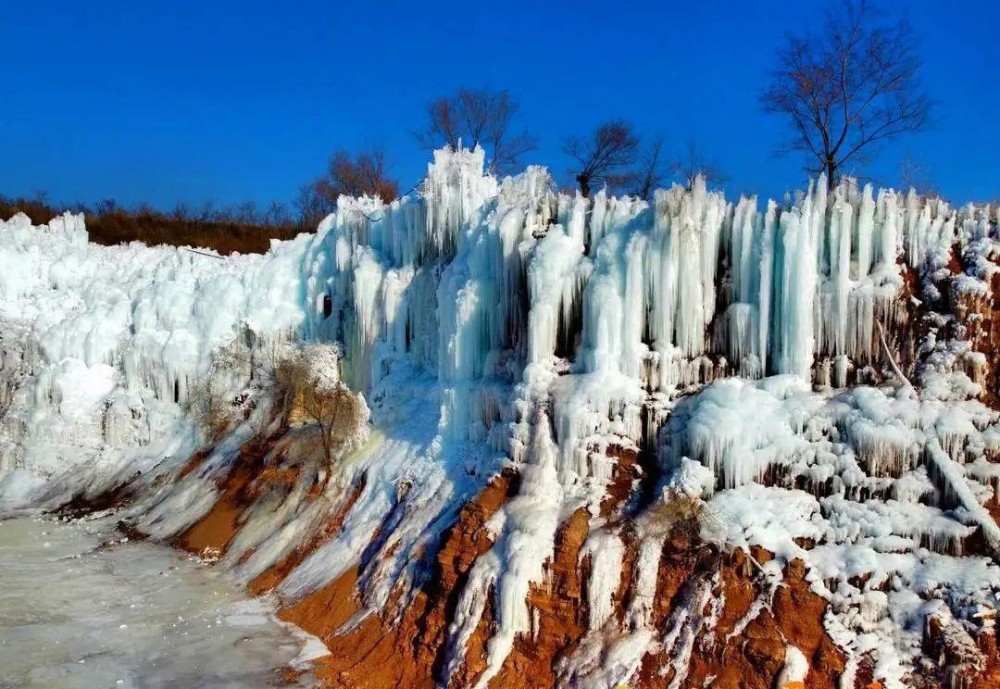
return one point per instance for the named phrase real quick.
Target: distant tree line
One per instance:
(842, 91)
(242, 227)
(612, 155)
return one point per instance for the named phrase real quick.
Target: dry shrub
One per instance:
(240, 380)
(678, 516)
(314, 395)
(256, 384)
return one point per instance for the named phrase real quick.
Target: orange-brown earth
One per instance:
(408, 648)
(411, 651)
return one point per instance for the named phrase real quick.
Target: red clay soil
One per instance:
(273, 576)
(411, 652)
(623, 476)
(213, 532)
(980, 317)
(989, 678)
(196, 460)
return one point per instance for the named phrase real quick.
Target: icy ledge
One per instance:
(491, 322)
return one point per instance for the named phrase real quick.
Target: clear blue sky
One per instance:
(230, 100)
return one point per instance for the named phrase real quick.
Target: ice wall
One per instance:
(103, 345)
(481, 318)
(561, 324)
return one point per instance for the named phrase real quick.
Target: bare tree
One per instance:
(108, 207)
(208, 213)
(182, 212)
(143, 208)
(604, 156)
(363, 175)
(231, 393)
(693, 164)
(478, 117)
(849, 89)
(277, 215)
(652, 172)
(915, 176)
(311, 207)
(316, 396)
(246, 212)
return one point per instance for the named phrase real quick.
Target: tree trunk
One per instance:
(584, 181)
(830, 168)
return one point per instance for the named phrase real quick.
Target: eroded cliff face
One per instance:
(737, 627)
(610, 443)
(742, 645)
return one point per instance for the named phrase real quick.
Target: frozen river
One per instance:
(81, 608)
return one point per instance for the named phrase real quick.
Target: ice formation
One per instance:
(491, 322)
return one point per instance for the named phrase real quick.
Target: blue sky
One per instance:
(233, 101)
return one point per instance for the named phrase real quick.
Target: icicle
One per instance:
(606, 551)
(866, 228)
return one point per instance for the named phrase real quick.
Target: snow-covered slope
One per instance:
(815, 372)
(101, 346)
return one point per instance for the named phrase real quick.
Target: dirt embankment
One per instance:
(412, 650)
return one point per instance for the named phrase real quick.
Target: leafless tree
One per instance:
(315, 396)
(478, 117)
(915, 176)
(606, 155)
(143, 208)
(182, 212)
(652, 171)
(364, 174)
(693, 163)
(228, 395)
(208, 213)
(849, 89)
(277, 215)
(311, 207)
(107, 207)
(245, 212)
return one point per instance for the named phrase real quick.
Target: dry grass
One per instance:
(240, 230)
(677, 516)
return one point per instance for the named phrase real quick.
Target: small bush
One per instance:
(314, 395)
(237, 388)
(259, 383)
(677, 516)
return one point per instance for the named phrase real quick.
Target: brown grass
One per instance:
(225, 231)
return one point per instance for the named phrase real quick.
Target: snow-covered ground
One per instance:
(497, 321)
(81, 607)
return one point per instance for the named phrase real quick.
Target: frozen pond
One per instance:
(76, 612)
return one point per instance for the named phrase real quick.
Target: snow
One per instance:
(118, 335)
(770, 517)
(606, 551)
(601, 662)
(496, 322)
(857, 443)
(738, 430)
(795, 670)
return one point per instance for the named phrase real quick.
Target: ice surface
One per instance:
(495, 321)
(75, 614)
